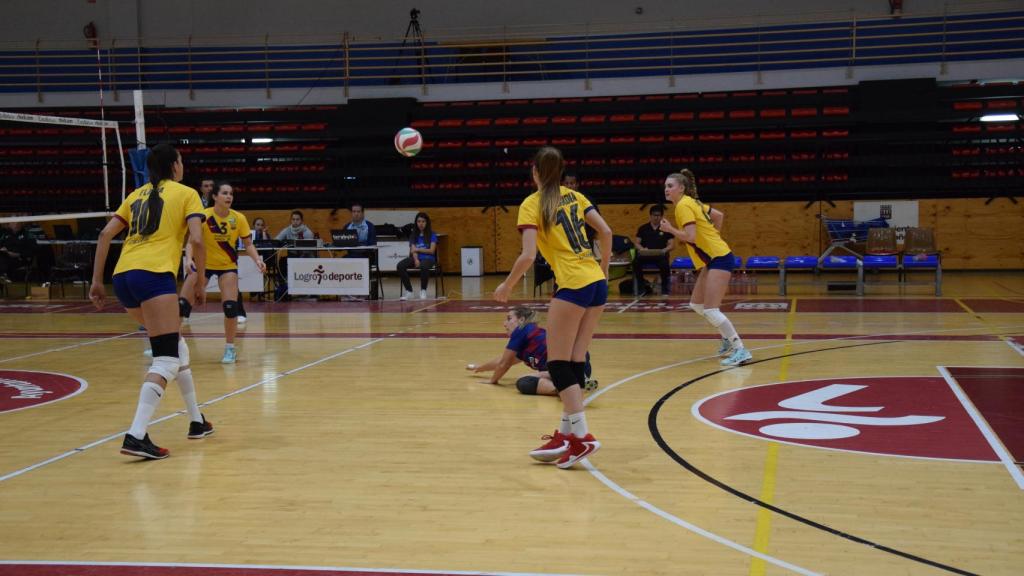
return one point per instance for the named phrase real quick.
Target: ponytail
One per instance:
(687, 181)
(549, 165)
(160, 164)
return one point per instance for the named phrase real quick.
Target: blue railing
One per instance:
(840, 43)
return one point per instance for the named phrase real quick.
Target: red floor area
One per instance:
(998, 394)
(981, 305)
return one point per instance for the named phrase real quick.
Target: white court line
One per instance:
(68, 347)
(1016, 347)
(121, 434)
(628, 306)
(797, 343)
(679, 521)
(80, 344)
(986, 430)
(274, 567)
(693, 527)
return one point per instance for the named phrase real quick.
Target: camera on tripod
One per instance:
(414, 14)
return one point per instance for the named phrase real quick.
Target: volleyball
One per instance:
(408, 142)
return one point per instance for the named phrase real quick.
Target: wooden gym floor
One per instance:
(876, 435)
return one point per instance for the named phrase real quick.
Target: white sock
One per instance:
(725, 328)
(564, 426)
(183, 355)
(578, 424)
(149, 399)
(229, 345)
(697, 308)
(188, 393)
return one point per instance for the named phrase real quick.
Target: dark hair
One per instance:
(258, 219)
(427, 230)
(549, 165)
(294, 212)
(353, 205)
(218, 184)
(657, 209)
(160, 164)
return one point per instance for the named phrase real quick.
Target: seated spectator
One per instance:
(422, 255)
(297, 230)
(527, 343)
(259, 230)
(650, 237)
(363, 227)
(16, 249)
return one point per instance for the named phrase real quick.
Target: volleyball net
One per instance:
(56, 168)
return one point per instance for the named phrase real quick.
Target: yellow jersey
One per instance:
(709, 244)
(564, 244)
(221, 237)
(161, 250)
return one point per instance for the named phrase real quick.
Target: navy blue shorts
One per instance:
(212, 273)
(136, 286)
(591, 295)
(727, 263)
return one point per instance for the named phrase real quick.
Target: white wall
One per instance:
(62, 20)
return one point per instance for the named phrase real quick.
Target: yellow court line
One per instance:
(763, 531)
(1004, 337)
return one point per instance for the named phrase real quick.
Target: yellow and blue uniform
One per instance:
(221, 237)
(708, 244)
(564, 244)
(161, 250)
(149, 264)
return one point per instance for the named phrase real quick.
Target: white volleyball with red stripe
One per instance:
(408, 142)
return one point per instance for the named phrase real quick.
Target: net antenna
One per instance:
(103, 125)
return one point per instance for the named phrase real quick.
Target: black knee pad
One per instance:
(528, 385)
(184, 308)
(561, 374)
(230, 308)
(241, 306)
(588, 369)
(164, 345)
(579, 371)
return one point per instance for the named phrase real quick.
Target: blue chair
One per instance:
(755, 263)
(804, 263)
(682, 263)
(881, 262)
(842, 263)
(925, 262)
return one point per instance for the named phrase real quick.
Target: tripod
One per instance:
(414, 40)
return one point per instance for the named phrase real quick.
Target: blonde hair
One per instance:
(525, 314)
(688, 181)
(549, 165)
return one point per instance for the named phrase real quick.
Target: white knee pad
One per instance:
(183, 352)
(714, 317)
(166, 367)
(697, 308)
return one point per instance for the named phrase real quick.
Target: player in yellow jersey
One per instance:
(222, 230)
(157, 217)
(553, 219)
(699, 227)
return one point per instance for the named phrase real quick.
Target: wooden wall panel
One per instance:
(976, 236)
(969, 233)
